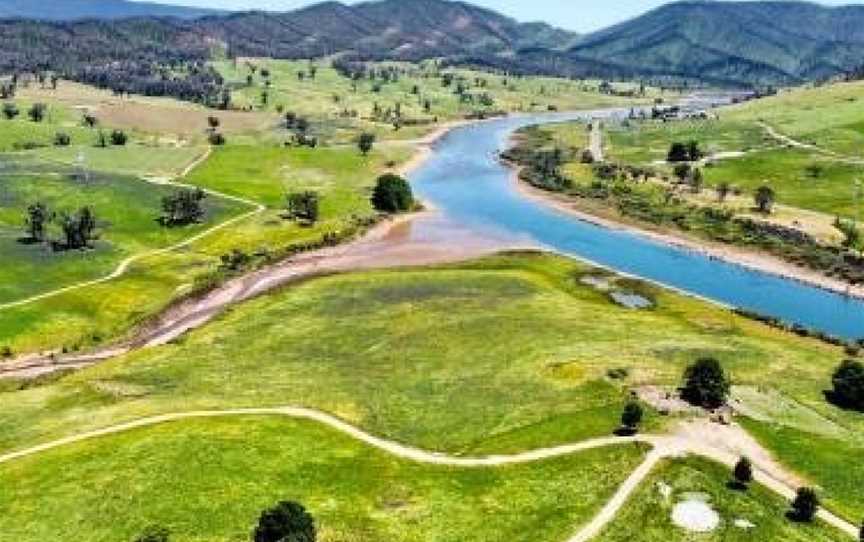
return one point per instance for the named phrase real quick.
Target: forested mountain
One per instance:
(72, 10)
(734, 43)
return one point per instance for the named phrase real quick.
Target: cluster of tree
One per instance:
(182, 208)
(685, 152)
(303, 206)
(392, 194)
(299, 131)
(804, 506)
(76, 230)
(116, 137)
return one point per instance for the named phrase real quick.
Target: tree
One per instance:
(78, 228)
(36, 222)
(696, 181)
(286, 522)
(705, 384)
(303, 206)
(678, 152)
(62, 139)
(764, 199)
(182, 208)
(682, 172)
(694, 153)
(89, 120)
(119, 138)
(848, 385)
(392, 194)
(743, 472)
(213, 123)
(37, 112)
(805, 505)
(154, 533)
(631, 418)
(10, 111)
(851, 232)
(365, 143)
(723, 190)
(587, 157)
(216, 139)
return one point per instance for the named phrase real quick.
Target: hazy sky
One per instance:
(579, 15)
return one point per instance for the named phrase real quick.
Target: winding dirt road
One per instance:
(677, 444)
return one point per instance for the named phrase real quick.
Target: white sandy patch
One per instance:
(695, 516)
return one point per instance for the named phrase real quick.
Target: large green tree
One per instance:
(288, 521)
(705, 384)
(392, 194)
(848, 385)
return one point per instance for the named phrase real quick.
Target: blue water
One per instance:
(464, 180)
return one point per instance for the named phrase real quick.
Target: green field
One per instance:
(209, 480)
(126, 209)
(647, 517)
(505, 354)
(645, 142)
(800, 179)
(330, 100)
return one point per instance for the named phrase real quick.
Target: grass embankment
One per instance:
(648, 516)
(209, 480)
(504, 354)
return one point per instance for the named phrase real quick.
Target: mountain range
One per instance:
(746, 43)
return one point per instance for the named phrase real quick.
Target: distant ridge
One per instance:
(743, 43)
(74, 10)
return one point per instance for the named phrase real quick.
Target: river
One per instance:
(473, 192)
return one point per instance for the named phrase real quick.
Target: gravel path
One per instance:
(664, 446)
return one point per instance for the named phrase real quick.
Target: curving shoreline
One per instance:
(748, 259)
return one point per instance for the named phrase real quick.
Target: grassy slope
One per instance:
(209, 480)
(831, 116)
(504, 354)
(647, 517)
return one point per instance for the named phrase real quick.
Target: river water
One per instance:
(474, 193)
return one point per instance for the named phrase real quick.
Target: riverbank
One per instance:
(386, 244)
(603, 216)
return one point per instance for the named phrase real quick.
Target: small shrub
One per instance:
(62, 139)
(6, 352)
(743, 472)
(217, 139)
(119, 138)
(631, 418)
(805, 505)
(618, 373)
(10, 111)
(154, 533)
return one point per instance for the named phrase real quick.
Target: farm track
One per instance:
(681, 443)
